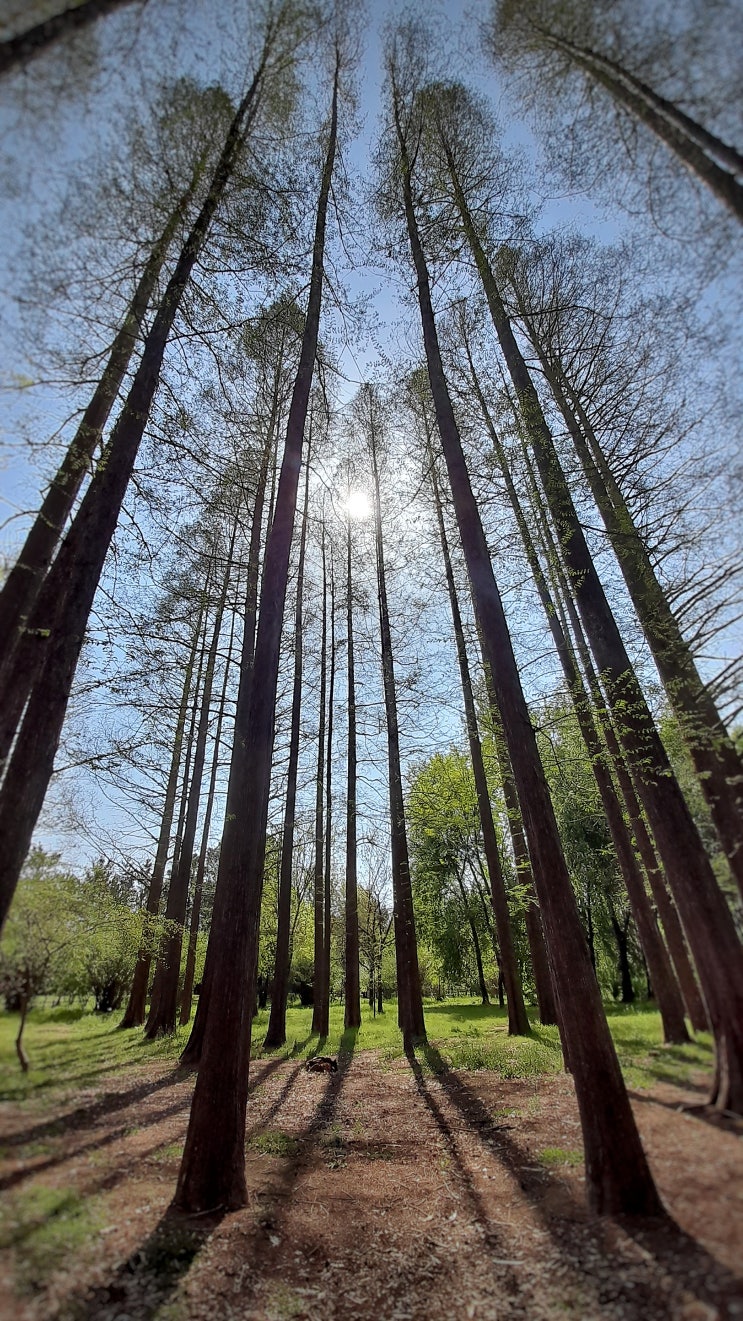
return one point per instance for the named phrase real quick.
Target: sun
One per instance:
(358, 504)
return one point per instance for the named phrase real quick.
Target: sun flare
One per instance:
(358, 505)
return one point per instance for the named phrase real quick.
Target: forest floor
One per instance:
(391, 1189)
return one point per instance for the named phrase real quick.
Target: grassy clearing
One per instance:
(73, 1049)
(45, 1227)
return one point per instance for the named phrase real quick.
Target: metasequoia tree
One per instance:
(276, 1032)
(352, 1010)
(518, 1021)
(134, 1014)
(664, 983)
(164, 1003)
(327, 881)
(457, 126)
(321, 972)
(617, 1174)
(16, 52)
(556, 35)
(64, 603)
(409, 1000)
(212, 1172)
(716, 760)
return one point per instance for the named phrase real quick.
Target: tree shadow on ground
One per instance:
(85, 1116)
(665, 1245)
(146, 1280)
(722, 1119)
(468, 1013)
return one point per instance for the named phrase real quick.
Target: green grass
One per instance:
(71, 1050)
(47, 1227)
(560, 1156)
(274, 1144)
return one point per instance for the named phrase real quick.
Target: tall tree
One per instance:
(542, 29)
(617, 1173)
(63, 605)
(16, 52)
(409, 999)
(212, 1172)
(707, 919)
(320, 972)
(352, 1012)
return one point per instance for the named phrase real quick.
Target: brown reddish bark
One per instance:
(706, 917)
(617, 1174)
(21, 587)
(518, 1022)
(319, 975)
(136, 1009)
(198, 891)
(716, 760)
(352, 1014)
(276, 1032)
(409, 1000)
(66, 596)
(212, 1172)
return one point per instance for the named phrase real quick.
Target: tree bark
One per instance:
(707, 919)
(319, 1017)
(617, 1174)
(276, 1033)
(409, 1000)
(193, 935)
(329, 806)
(17, 52)
(67, 595)
(135, 1012)
(22, 584)
(212, 1172)
(352, 1014)
(518, 1022)
(716, 760)
(485, 998)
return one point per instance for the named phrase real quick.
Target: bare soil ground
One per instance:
(380, 1192)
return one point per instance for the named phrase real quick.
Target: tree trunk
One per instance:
(352, 1015)
(518, 1022)
(212, 1172)
(276, 1032)
(409, 999)
(621, 935)
(19, 1050)
(329, 805)
(707, 919)
(193, 934)
(67, 594)
(135, 1012)
(716, 761)
(319, 1017)
(475, 941)
(161, 1020)
(192, 1053)
(21, 587)
(617, 1174)
(18, 51)
(681, 134)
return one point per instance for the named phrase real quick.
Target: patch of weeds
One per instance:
(274, 1144)
(282, 1303)
(533, 1106)
(46, 1227)
(335, 1148)
(506, 1112)
(560, 1156)
(173, 1151)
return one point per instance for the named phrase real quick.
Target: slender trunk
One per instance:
(192, 1053)
(669, 996)
(276, 1032)
(212, 1171)
(319, 1022)
(518, 1021)
(193, 934)
(329, 805)
(617, 1174)
(22, 584)
(352, 1016)
(164, 1003)
(707, 919)
(682, 135)
(134, 1014)
(716, 761)
(475, 942)
(16, 52)
(19, 1050)
(66, 596)
(621, 936)
(409, 999)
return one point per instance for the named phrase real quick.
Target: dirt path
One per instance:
(378, 1193)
